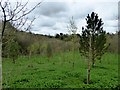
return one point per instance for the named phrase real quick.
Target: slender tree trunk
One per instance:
(0, 65)
(93, 57)
(93, 62)
(3, 28)
(88, 76)
(89, 61)
(3, 22)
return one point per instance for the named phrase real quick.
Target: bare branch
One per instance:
(22, 23)
(26, 13)
(72, 28)
(17, 15)
(29, 26)
(20, 9)
(4, 22)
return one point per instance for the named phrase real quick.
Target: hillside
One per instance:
(29, 43)
(35, 43)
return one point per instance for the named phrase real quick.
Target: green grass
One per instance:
(59, 72)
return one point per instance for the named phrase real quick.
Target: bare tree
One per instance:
(72, 28)
(16, 15)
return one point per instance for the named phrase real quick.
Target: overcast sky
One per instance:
(53, 15)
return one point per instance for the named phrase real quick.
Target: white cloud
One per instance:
(111, 23)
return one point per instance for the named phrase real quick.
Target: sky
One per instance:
(53, 16)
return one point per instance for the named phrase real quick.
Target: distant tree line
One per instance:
(65, 37)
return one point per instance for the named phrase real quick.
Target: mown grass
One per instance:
(65, 70)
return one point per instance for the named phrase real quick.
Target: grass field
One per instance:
(65, 70)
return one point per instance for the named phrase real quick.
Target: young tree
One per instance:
(93, 40)
(72, 29)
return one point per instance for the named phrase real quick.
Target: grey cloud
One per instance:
(82, 15)
(55, 28)
(47, 23)
(52, 8)
(44, 21)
